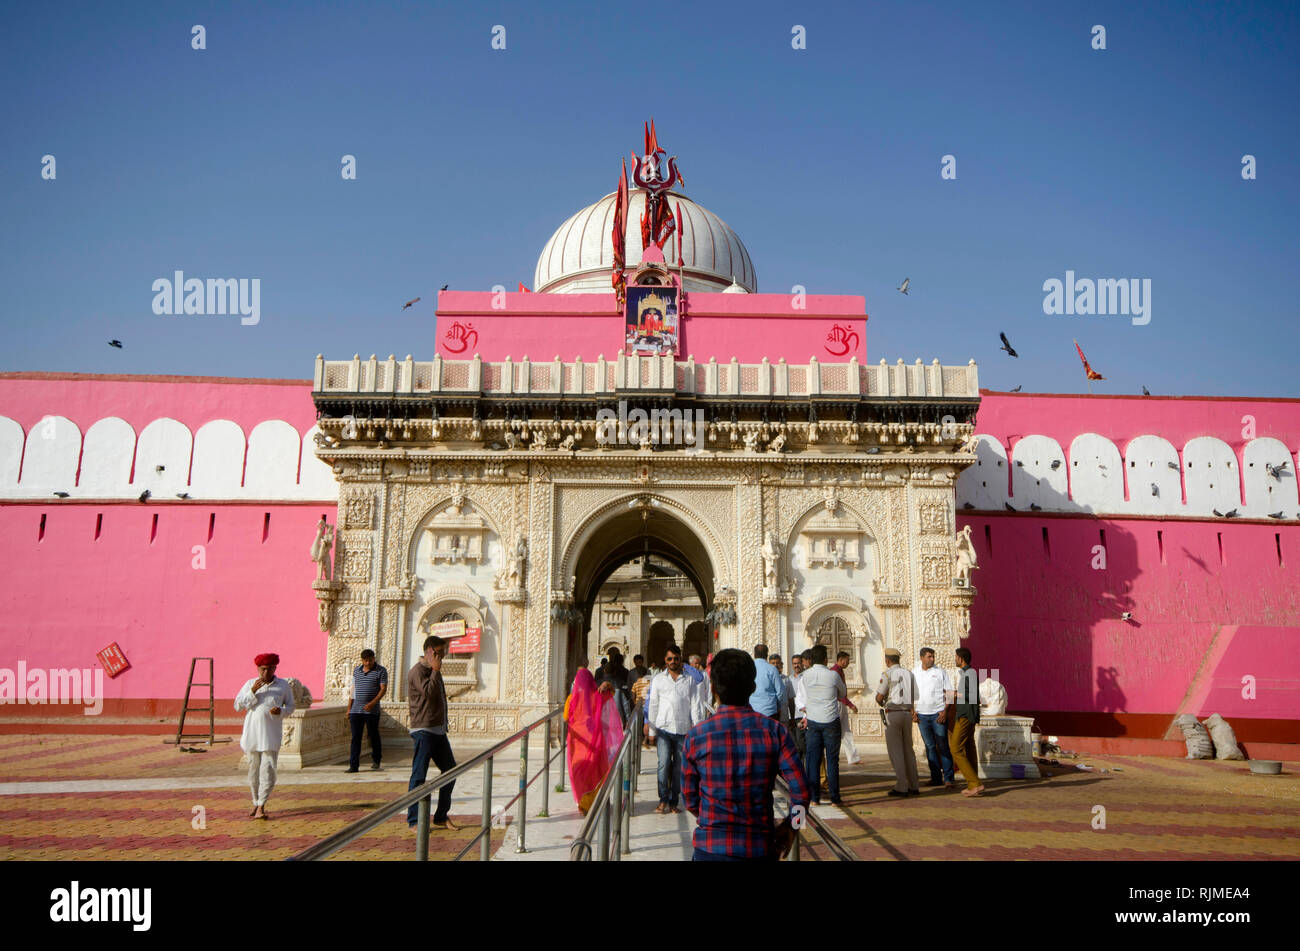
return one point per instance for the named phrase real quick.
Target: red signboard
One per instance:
(470, 643)
(113, 660)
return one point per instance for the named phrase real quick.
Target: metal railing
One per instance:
(422, 796)
(833, 842)
(612, 805)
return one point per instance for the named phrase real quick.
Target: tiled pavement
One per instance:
(1155, 809)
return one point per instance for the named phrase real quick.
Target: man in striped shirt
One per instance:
(369, 684)
(729, 767)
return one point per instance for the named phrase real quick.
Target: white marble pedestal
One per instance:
(313, 736)
(1002, 742)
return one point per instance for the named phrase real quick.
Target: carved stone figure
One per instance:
(751, 441)
(320, 550)
(777, 444)
(568, 441)
(518, 562)
(302, 698)
(771, 559)
(966, 561)
(993, 698)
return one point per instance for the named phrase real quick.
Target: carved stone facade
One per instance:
(517, 542)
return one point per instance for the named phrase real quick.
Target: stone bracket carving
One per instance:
(327, 593)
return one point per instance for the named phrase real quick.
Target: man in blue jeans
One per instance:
(934, 693)
(822, 690)
(427, 703)
(675, 705)
(369, 684)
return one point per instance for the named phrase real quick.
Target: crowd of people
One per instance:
(723, 728)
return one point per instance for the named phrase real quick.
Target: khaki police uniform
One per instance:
(898, 687)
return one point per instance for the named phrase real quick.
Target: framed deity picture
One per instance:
(651, 319)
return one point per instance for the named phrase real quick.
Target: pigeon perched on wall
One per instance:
(1006, 345)
(1016, 390)
(1231, 514)
(182, 495)
(1009, 507)
(1056, 463)
(115, 343)
(443, 288)
(1035, 506)
(144, 496)
(969, 505)
(1145, 391)
(1172, 465)
(1155, 489)
(62, 495)
(903, 287)
(159, 468)
(1276, 471)
(1276, 515)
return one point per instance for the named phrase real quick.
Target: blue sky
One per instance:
(225, 163)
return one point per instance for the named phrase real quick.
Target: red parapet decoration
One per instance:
(113, 660)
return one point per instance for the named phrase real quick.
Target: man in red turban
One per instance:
(268, 700)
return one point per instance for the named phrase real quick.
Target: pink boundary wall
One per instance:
(67, 595)
(1212, 601)
(748, 327)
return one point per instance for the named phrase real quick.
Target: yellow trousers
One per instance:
(961, 741)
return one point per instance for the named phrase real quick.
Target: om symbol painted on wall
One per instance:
(842, 340)
(460, 337)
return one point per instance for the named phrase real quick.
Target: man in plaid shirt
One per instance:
(729, 766)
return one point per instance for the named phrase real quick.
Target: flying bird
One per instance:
(1006, 345)
(115, 343)
(1017, 389)
(1276, 471)
(1145, 391)
(410, 302)
(144, 496)
(1231, 514)
(903, 287)
(1087, 367)
(62, 495)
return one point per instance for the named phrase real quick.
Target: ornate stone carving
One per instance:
(935, 569)
(358, 510)
(966, 561)
(934, 517)
(320, 550)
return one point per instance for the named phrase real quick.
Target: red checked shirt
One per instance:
(729, 765)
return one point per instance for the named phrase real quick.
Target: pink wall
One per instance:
(87, 397)
(748, 327)
(1212, 600)
(68, 595)
(1009, 416)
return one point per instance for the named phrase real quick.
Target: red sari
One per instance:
(595, 732)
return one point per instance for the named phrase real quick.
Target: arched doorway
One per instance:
(645, 566)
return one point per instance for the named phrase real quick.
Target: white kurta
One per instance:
(262, 729)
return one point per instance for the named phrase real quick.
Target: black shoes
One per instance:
(935, 782)
(350, 769)
(895, 792)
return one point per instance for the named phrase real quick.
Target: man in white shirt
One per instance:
(268, 700)
(934, 692)
(675, 706)
(821, 690)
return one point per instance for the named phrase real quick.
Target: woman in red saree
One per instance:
(595, 732)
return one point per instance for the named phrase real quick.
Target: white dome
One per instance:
(578, 259)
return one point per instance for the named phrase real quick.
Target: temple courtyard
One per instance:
(133, 797)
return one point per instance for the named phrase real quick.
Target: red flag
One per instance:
(619, 234)
(1092, 374)
(680, 234)
(524, 290)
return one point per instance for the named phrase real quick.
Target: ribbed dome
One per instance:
(578, 258)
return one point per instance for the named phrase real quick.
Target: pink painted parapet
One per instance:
(749, 327)
(1212, 600)
(192, 401)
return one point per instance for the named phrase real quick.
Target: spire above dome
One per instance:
(584, 255)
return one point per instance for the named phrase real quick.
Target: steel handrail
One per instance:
(620, 774)
(423, 793)
(833, 841)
